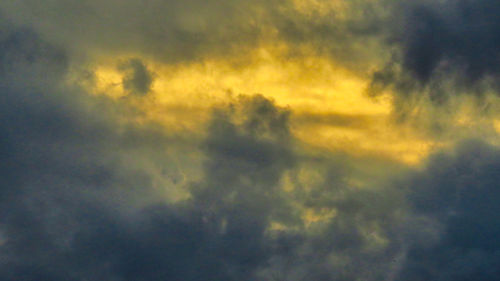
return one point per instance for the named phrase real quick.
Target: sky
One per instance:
(269, 140)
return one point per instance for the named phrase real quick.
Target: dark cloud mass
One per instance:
(65, 175)
(460, 191)
(452, 35)
(84, 189)
(65, 189)
(138, 79)
(443, 49)
(67, 196)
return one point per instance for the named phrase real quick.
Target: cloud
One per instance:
(172, 32)
(86, 191)
(71, 192)
(79, 199)
(66, 173)
(450, 35)
(138, 79)
(353, 121)
(426, 45)
(165, 30)
(441, 50)
(459, 191)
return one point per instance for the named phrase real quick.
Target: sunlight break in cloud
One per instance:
(249, 140)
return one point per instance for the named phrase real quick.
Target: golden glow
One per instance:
(183, 95)
(311, 216)
(496, 124)
(109, 82)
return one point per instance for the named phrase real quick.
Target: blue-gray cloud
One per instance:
(138, 78)
(441, 50)
(458, 190)
(78, 203)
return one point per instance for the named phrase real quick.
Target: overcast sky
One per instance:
(232, 140)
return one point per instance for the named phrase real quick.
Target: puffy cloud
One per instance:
(66, 171)
(459, 191)
(70, 188)
(442, 50)
(88, 193)
(75, 204)
(450, 35)
(138, 79)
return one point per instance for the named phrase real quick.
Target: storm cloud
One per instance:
(91, 189)
(459, 190)
(138, 79)
(70, 191)
(442, 50)
(452, 36)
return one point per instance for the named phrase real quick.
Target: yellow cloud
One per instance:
(183, 95)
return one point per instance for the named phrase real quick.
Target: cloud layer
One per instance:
(90, 189)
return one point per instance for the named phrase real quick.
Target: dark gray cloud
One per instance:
(66, 175)
(69, 187)
(459, 190)
(452, 35)
(442, 49)
(138, 78)
(78, 199)
(69, 190)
